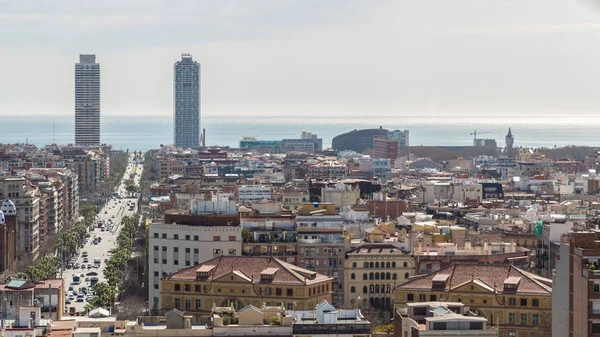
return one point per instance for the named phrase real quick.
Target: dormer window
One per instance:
(439, 281)
(203, 271)
(511, 283)
(268, 274)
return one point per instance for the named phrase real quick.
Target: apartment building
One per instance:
(8, 235)
(27, 303)
(516, 302)
(576, 285)
(270, 235)
(229, 281)
(27, 201)
(372, 270)
(254, 193)
(341, 195)
(322, 243)
(184, 240)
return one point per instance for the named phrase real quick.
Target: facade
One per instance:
(372, 270)
(8, 236)
(271, 235)
(516, 302)
(401, 136)
(576, 283)
(440, 319)
(385, 147)
(87, 101)
(322, 243)
(186, 102)
(26, 302)
(254, 193)
(340, 195)
(236, 282)
(182, 241)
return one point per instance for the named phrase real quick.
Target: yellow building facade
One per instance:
(239, 281)
(518, 303)
(372, 271)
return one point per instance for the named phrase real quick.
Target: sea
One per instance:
(145, 133)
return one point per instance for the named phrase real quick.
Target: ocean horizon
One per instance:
(144, 133)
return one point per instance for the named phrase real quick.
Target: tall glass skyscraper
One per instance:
(186, 102)
(87, 101)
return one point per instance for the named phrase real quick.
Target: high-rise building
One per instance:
(186, 102)
(510, 141)
(87, 101)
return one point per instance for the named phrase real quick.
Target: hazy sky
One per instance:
(317, 57)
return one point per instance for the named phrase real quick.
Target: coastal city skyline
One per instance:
(340, 58)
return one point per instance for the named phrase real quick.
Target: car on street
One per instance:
(70, 287)
(86, 260)
(80, 298)
(92, 273)
(75, 293)
(84, 290)
(68, 301)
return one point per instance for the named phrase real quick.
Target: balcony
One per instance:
(310, 255)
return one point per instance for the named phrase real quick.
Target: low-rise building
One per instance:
(229, 281)
(518, 303)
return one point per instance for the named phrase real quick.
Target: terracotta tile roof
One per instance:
(488, 275)
(251, 267)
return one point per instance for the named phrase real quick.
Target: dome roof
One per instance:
(2, 220)
(8, 208)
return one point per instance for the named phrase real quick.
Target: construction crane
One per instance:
(475, 133)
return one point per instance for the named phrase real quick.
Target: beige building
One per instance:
(512, 300)
(371, 271)
(229, 281)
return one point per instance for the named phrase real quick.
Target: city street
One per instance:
(114, 210)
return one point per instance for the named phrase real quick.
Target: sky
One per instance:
(308, 57)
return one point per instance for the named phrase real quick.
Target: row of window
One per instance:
(231, 251)
(511, 300)
(512, 318)
(196, 237)
(374, 289)
(379, 276)
(378, 265)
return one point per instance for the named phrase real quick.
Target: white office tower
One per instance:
(186, 102)
(87, 101)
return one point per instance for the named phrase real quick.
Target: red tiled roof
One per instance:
(252, 268)
(490, 275)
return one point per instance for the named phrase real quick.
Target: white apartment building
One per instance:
(254, 193)
(175, 246)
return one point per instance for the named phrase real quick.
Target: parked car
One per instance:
(70, 287)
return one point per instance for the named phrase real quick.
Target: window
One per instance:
(232, 238)
(187, 237)
(187, 250)
(597, 287)
(394, 276)
(156, 286)
(197, 288)
(290, 292)
(177, 287)
(353, 264)
(216, 238)
(196, 250)
(176, 236)
(523, 302)
(268, 291)
(512, 301)
(410, 297)
(377, 276)
(512, 333)
(156, 248)
(232, 251)
(352, 276)
(176, 262)
(198, 303)
(388, 276)
(164, 235)
(371, 277)
(393, 264)
(216, 251)
(278, 291)
(376, 264)
(155, 260)
(511, 318)
(164, 261)
(387, 265)
(421, 297)
(365, 289)
(187, 263)
(156, 235)
(156, 273)
(405, 264)
(164, 248)
(187, 287)
(196, 238)
(535, 302)
(175, 249)
(371, 265)
(371, 289)
(366, 265)
(188, 304)
(432, 298)
(352, 289)
(365, 276)
(523, 319)
(406, 275)
(290, 306)
(177, 303)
